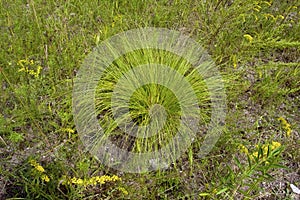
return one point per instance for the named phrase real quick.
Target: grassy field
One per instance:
(256, 47)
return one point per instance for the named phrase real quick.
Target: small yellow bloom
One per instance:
(38, 71)
(45, 178)
(288, 132)
(255, 154)
(31, 72)
(243, 149)
(33, 163)
(275, 145)
(80, 181)
(40, 168)
(73, 180)
(37, 166)
(265, 148)
(68, 130)
(91, 181)
(123, 190)
(286, 126)
(26, 65)
(115, 178)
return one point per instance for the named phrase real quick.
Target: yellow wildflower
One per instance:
(26, 64)
(37, 166)
(91, 181)
(115, 178)
(123, 190)
(243, 149)
(255, 154)
(40, 168)
(45, 178)
(74, 180)
(68, 130)
(275, 145)
(288, 132)
(265, 148)
(286, 126)
(38, 71)
(80, 181)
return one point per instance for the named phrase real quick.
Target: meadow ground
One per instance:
(256, 47)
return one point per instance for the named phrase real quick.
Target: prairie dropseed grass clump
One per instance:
(145, 99)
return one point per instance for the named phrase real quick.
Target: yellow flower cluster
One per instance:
(37, 166)
(265, 148)
(26, 65)
(243, 149)
(68, 130)
(40, 169)
(123, 190)
(91, 181)
(272, 146)
(286, 126)
(45, 178)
